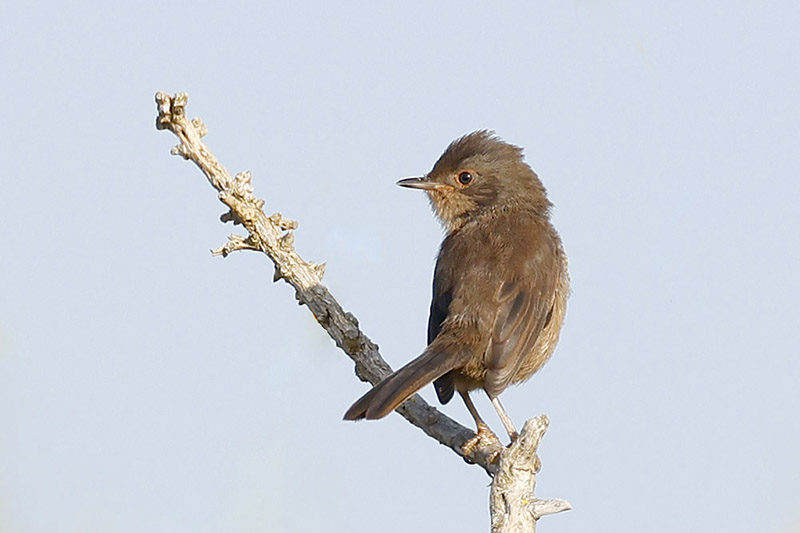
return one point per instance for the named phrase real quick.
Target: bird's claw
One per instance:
(483, 437)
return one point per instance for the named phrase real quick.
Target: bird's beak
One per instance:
(421, 183)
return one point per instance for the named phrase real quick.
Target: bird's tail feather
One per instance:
(387, 395)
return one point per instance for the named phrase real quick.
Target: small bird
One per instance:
(500, 286)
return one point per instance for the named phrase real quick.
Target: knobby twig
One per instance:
(273, 235)
(512, 504)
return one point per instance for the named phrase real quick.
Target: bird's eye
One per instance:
(465, 178)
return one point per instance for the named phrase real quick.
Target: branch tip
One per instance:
(319, 270)
(287, 240)
(540, 508)
(201, 128)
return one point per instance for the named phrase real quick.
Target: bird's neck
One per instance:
(483, 215)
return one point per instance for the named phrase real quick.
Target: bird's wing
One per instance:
(440, 304)
(524, 305)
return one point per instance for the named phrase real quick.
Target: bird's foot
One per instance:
(484, 438)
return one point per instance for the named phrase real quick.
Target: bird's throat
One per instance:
(452, 207)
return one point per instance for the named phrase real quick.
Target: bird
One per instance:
(500, 284)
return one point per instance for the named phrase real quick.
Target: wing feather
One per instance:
(523, 305)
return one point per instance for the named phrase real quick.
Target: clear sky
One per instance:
(148, 386)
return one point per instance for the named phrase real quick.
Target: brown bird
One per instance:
(500, 285)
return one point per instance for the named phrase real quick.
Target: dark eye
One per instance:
(465, 178)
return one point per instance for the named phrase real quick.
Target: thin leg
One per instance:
(472, 410)
(505, 419)
(483, 431)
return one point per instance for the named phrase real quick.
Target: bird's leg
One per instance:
(505, 419)
(481, 425)
(483, 431)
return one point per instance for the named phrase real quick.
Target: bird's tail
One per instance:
(387, 395)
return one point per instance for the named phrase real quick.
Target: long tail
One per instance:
(387, 395)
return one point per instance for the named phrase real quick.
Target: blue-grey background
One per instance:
(148, 386)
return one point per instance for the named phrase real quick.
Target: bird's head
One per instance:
(477, 173)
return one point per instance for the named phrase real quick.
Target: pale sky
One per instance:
(148, 386)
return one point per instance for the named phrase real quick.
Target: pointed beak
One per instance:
(421, 183)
